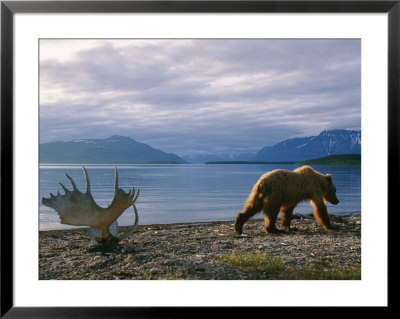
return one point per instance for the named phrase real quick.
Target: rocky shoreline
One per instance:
(202, 251)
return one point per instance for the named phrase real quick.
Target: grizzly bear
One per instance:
(281, 190)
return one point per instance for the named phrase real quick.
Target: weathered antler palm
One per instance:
(80, 209)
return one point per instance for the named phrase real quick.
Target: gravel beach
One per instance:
(200, 251)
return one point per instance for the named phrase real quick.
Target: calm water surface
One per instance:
(187, 192)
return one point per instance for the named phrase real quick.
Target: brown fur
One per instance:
(281, 190)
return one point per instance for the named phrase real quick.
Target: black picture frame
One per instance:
(9, 8)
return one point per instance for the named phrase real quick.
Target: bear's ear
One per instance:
(329, 178)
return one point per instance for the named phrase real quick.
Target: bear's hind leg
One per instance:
(287, 218)
(271, 212)
(251, 208)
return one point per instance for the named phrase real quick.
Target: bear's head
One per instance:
(330, 192)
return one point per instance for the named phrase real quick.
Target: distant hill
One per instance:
(304, 148)
(113, 150)
(329, 142)
(335, 160)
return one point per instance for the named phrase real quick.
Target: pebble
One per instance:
(154, 271)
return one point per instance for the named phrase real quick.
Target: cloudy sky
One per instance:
(198, 96)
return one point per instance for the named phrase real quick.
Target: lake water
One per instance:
(187, 192)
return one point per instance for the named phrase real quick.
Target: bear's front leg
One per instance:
(321, 214)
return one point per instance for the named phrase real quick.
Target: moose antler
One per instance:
(80, 209)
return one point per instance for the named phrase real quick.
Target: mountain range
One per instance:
(328, 142)
(122, 149)
(332, 142)
(112, 150)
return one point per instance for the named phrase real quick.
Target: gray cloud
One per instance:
(199, 96)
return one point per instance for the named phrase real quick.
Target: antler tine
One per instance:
(131, 191)
(137, 194)
(66, 190)
(72, 182)
(116, 179)
(125, 235)
(87, 180)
